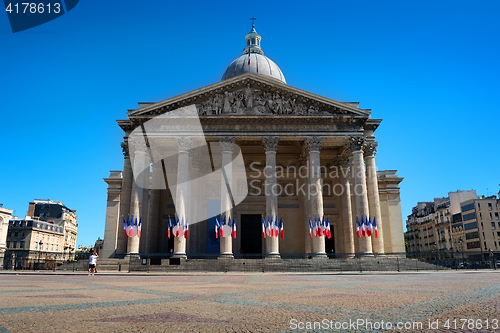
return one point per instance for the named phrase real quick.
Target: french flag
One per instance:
(276, 231)
(282, 233)
(133, 231)
(363, 226)
(310, 228)
(328, 232)
(124, 226)
(375, 227)
(177, 234)
(268, 228)
(369, 227)
(323, 226)
(249, 55)
(263, 227)
(317, 231)
(186, 230)
(217, 228)
(139, 228)
(358, 232)
(129, 226)
(234, 228)
(169, 226)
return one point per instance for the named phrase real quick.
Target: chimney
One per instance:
(31, 209)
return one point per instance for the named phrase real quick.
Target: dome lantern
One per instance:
(253, 60)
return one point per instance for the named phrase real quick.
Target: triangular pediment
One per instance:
(252, 95)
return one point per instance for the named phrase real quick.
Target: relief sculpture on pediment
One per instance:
(250, 101)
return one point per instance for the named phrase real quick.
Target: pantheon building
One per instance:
(283, 152)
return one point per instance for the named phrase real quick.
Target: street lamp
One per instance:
(40, 243)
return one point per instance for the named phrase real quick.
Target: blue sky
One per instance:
(429, 69)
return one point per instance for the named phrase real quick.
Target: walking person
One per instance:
(92, 262)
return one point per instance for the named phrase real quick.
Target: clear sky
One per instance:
(429, 69)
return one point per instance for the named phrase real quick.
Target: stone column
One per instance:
(126, 193)
(304, 183)
(373, 196)
(153, 221)
(358, 168)
(315, 191)
(353, 199)
(347, 221)
(181, 193)
(227, 146)
(137, 197)
(270, 146)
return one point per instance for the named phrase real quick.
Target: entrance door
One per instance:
(251, 234)
(330, 243)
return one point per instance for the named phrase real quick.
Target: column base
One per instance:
(272, 256)
(225, 256)
(364, 255)
(318, 255)
(179, 255)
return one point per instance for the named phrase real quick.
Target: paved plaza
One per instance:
(251, 302)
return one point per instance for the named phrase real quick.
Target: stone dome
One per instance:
(257, 63)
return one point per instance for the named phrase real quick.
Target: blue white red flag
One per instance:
(310, 228)
(217, 228)
(234, 228)
(169, 226)
(282, 233)
(268, 227)
(358, 232)
(139, 228)
(316, 227)
(263, 227)
(375, 227)
(186, 229)
(323, 226)
(363, 226)
(249, 47)
(328, 231)
(276, 230)
(369, 227)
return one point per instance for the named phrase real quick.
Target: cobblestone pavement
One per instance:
(420, 302)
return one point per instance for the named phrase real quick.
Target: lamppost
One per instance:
(40, 243)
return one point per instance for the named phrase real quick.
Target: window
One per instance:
(469, 216)
(482, 226)
(493, 225)
(489, 205)
(496, 215)
(22, 234)
(16, 234)
(21, 244)
(483, 235)
(473, 245)
(14, 245)
(9, 234)
(498, 233)
(471, 235)
(496, 245)
(36, 246)
(8, 244)
(480, 216)
(468, 207)
(485, 247)
(470, 226)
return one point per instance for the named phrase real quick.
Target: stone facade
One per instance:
(278, 129)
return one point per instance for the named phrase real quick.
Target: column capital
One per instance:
(371, 149)
(227, 143)
(313, 143)
(184, 143)
(355, 144)
(270, 143)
